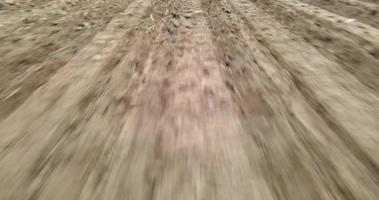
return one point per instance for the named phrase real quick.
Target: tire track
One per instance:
(326, 95)
(39, 153)
(37, 42)
(362, 32)
(348, 51)
(304, 135)
(363, 11)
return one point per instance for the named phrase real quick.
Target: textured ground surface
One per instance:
(189, 99)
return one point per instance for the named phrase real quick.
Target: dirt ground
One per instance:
(185, 100)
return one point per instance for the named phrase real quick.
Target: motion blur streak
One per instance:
(189, 100)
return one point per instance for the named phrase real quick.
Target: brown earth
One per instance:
(201, 99)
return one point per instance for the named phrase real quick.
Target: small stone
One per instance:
(30, 19)
(350, 20)
(79, 28)
(86, 24)
(82, 26)
(176, 23)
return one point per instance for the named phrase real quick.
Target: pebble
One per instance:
(350, 20)
(175, 23)
(30, 19)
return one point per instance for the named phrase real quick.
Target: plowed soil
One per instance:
(182, 100)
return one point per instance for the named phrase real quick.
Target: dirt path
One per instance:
(202, 99)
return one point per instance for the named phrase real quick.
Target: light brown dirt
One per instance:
(176, 99)
(358, 10)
